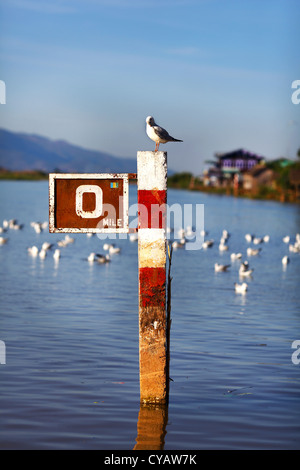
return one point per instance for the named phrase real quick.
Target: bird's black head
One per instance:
(150, 121)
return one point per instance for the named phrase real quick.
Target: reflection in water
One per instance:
(151, 427)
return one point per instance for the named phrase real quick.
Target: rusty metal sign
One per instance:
(82, 203)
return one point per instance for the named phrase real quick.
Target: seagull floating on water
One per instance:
(235, 256)
(15, 226)
(294, 248)
(133, 237)
(179, 243)
(225, 235)
(107, 246)
(157, 133)
(245, 270)
(253, 251)
(66, 241)
(207, 244)
(43, 253)
(113, 250)
(33, 250)
(46, 246)
(39, 226)
(99, 258)
(241, 288)
(221, 267)
(285, 260)
(223, 246)
(56, 254)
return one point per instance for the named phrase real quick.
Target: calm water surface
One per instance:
(71, 333)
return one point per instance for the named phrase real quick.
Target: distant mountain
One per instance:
(19, 152)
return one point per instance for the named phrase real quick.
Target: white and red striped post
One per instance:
(152, 200)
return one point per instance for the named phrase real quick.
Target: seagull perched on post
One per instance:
(157, 133)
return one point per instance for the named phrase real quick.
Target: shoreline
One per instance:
(29, 175)
(264, 193)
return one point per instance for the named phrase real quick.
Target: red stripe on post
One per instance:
(152, 287)
(152, 208)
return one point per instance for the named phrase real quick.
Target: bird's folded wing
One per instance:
(162, 133)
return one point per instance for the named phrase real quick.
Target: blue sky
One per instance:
(215, 73)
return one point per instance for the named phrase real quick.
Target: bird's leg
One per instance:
(155, 147)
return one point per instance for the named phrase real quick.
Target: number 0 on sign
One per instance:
(82, 203)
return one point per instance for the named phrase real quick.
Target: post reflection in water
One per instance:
(151, 427)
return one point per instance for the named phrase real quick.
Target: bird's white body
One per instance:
(152, 135)
(179, 243)
(246, 273)
(223, 247)
(294, 248)
(46, 246)
(207, 244)
(241, 288)
(235, 256)
(56, 254)
(244, 270)
(285, 260)
(113, 250)
(33, 250)
(253, 251)
(43, 253)
(107, 246)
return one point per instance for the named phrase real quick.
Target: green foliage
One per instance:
(180, 180)
(282, 168)
(23, 175)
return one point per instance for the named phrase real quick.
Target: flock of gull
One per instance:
(56, 249)
(244, 270)
(183, 236)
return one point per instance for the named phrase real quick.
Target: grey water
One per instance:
(70, 328)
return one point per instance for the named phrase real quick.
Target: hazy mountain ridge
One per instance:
(20, 151)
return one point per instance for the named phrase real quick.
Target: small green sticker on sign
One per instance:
(114, 185)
